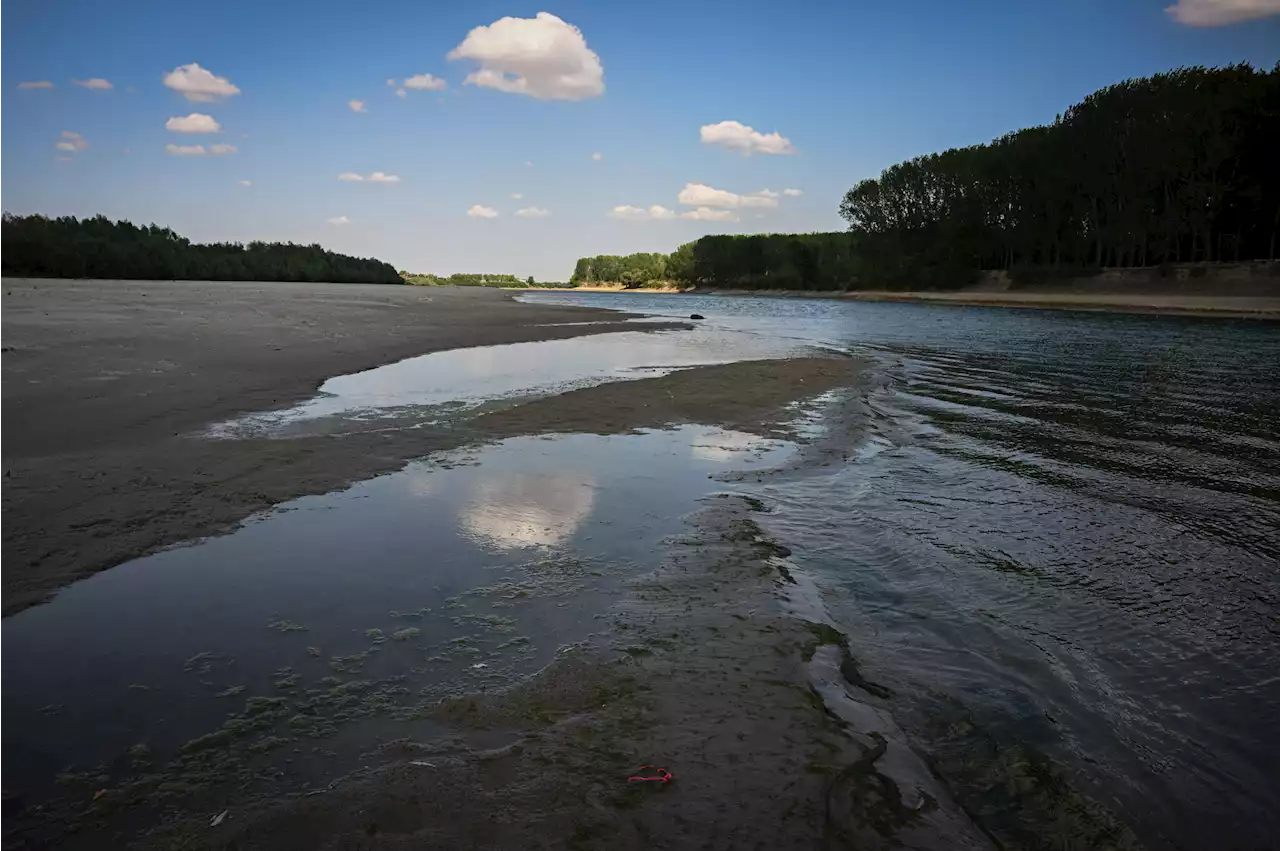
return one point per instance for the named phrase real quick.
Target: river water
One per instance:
(1070, 523)
(1063, 527)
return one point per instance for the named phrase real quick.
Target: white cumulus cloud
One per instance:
(1220, 13)
(533, 213)
(479, 211)
(36, 84)
(736, 136)
(193, 123)
(186, 150)
(93, 83)
(701, 195)
(793, 193)
(424, 82)
(706, 214)
(542, 57)
(640, 214)
(356, 105)
(219, 150)
(338, 220)
(199, 84)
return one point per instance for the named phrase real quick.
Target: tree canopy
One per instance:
(473, 279)
(67, 247)
(1177, 167)
(633, 270)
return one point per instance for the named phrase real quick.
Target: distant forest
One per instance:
(473, 279)
(67, 247)
(1178, 167)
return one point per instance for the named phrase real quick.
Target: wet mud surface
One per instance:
(105, 381)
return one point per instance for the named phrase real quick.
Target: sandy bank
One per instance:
(104, 381)
(611, 288)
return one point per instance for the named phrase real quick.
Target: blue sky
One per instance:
(851, 87)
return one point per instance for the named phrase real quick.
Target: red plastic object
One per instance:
(663, 776)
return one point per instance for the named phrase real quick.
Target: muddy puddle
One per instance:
(275, 656)
(437, 388)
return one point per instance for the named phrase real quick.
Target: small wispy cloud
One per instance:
(516, 196)
(245, 183)
(706, 214)
(92, 83)
(199, 84)
(424, 82)
(533, 213)
(185, 150)
(793, 193)
(219, 150)
(194, 123)
(1221, 13)
(71, 142)
(356, 105)
(376, 177)
(479, 211)
(627, 213)
(339, 220)
(736, 136)
(701, 195)
(36, 84)
(597, 156)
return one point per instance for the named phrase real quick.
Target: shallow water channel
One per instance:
(1061, 530)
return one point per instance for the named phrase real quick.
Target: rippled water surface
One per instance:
(1068, 522)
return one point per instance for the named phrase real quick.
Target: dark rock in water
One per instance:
(10, 803)
(696, 316)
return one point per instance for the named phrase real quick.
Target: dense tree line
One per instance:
(804, 261)
(1172, 168)
(473, 279)
(1178, 167)
(633, 270)
(67, 247)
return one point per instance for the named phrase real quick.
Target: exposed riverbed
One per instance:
(950, 573)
